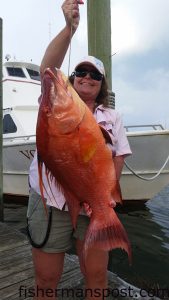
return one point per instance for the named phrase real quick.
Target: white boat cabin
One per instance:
(21, 89)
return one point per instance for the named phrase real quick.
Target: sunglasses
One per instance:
(93, 74)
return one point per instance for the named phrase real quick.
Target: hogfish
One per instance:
(71, 146)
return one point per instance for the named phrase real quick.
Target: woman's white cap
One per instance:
(95, 62)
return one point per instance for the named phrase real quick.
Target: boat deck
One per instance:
(16, 267)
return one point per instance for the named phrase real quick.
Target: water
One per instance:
(147, 225)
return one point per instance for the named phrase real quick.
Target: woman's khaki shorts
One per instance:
(61, 233)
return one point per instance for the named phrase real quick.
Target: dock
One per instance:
(16, 267)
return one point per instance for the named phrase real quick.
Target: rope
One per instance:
(148, 178)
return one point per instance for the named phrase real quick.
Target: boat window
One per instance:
(17, 72)
(8, 124)
(34, 74)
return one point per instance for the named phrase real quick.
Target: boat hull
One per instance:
(143, 176)
(136, 189)
(17, 157)
(150, 151)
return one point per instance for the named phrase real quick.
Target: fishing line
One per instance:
(70, 46)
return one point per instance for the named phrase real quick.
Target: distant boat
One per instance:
(21, 89)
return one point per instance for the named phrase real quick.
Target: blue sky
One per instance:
(140, 36)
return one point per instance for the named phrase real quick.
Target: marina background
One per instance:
(140, 81)
(140, 67)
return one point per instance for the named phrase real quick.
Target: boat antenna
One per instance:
(114, 54)
(7, 57)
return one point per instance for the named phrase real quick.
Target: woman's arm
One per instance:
(118, 163)
(58, 47)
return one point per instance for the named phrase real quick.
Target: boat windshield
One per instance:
(17, 72)
(34, 74)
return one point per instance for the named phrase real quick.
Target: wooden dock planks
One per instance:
(16, 267)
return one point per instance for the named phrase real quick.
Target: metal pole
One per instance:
(99, 33)
(1, 135)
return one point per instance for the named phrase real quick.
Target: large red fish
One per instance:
(73, 149)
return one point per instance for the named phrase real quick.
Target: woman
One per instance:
(89, 82)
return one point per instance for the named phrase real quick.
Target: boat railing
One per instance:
(20, 137)
(144, 127)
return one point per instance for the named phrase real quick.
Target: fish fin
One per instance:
(105, 134)
(49, 175)
(87, 144)
(106, 235)
(73, 206)
(116, 192)
(41, 184)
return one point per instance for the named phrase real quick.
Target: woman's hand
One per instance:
(88, 209)
(112, 203)
(71, 13)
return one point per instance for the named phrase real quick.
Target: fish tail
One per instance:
(107, 235)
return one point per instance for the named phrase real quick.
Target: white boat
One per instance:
(146, 171)
(21, 89)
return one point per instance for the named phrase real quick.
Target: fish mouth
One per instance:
(51, 73)
(53, 99)
(48, 78)
(48, 88)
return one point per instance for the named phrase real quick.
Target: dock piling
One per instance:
(99, 33)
